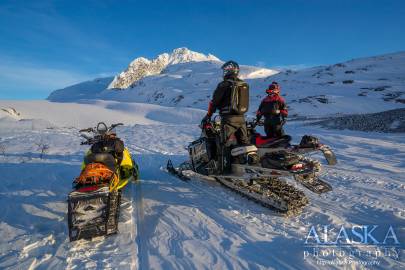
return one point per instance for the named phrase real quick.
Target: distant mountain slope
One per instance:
(363, 85)
(357, 86)
(80, 91)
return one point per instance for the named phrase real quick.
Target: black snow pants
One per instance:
(234, 125)
(231, 125)
(273, 126)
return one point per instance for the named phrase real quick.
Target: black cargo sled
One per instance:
(92, 214)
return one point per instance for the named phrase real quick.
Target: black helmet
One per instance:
(230, 68)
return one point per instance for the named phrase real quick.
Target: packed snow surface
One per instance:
(169, 224)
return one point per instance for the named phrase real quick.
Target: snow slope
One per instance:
(85, 115)
(170, 224)
(364, 85)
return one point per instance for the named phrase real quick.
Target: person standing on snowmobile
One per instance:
(231, 98)
(274, 110)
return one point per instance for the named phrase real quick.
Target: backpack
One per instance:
(239, 103)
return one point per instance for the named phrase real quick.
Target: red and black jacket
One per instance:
(272, 105)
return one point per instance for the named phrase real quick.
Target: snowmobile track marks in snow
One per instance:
(140, 240)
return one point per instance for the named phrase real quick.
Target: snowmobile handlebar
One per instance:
(100, 132)
(97, 129)
(87, 130)
(114, 126)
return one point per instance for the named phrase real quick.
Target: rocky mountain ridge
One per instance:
(142, 67)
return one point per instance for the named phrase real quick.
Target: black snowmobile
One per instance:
(308, 144)
(93, 205)
(258, 177)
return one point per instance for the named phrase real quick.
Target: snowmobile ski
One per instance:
(177, 172)
(328, 154)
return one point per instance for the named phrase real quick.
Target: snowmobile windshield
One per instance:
(102, 128)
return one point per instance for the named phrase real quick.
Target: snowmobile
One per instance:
(308, 144)
(94, 202)
(260, 178)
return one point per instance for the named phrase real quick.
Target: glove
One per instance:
(206, 120)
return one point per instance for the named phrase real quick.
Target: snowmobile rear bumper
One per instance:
(92, 214)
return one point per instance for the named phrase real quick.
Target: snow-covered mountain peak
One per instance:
(139, 60)
(184, 55)
(142, 67)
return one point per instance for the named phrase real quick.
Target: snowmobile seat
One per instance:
(104, 158)
(269, 142)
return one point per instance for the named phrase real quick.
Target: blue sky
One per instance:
(45, 45)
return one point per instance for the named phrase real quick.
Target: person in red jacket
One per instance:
(274, 110)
